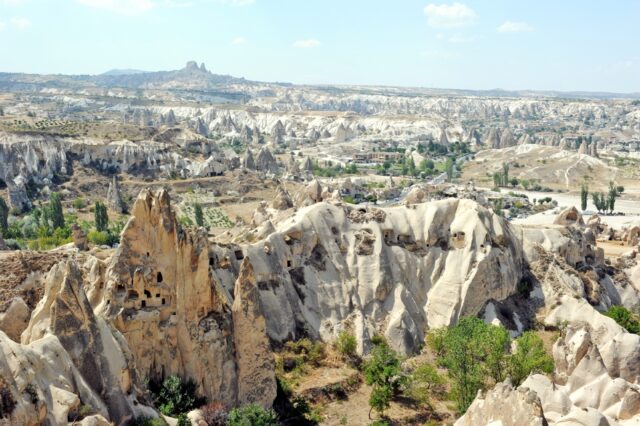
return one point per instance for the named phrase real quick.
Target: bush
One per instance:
(424, 381)
(175, 397)
(625, 318)
(79, 203)
(215, 414)
(99, 238)
(529, 357)
(252, 415)
(346, 343)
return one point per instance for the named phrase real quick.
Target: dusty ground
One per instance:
(552, 167)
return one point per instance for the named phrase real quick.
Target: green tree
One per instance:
(101, 217)
(612, 195)
(471, 351)
(252, 415)
(382, 372)
(505, 173)
(584, 195)
(197, 212)
(448, 167)
(176, 397)
(529, 357)
(427, 165)
(57, 217)
(600, 201)
(4, 217)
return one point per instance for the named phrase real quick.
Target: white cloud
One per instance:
(440, 36)
(306, 44)
(11, 2)
(20, 23)
(514, 27)
(2, 25)
(454, 15)
(239, 41)
(122, 7)
(237, 2)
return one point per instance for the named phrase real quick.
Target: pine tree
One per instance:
(4, 216)
(57, 217)
(101, 217)
(197, 211)
(584, 195)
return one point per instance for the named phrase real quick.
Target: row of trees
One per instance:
(602, 201)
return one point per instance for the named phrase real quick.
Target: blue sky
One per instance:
(510, 44)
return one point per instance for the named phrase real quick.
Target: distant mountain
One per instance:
(123, 72)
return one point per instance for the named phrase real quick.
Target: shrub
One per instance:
(529, 357)
(78, 203)
(7, 402)
(98, 238)
(175, 396)
(252, 415)
(215, 414)
(424, 381)
(346, 343)
(625, 318)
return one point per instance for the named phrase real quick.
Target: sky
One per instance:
(509, 44)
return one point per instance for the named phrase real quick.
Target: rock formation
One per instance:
(569, 216)
(505, 406)
(282, 200)
(161, 294)
(265, 161)
(256, 381)
(96, 352)
(114, 199)
(393, 271)
(79, 237)
(248, 162)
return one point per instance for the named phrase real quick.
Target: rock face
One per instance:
(256, 381)
(96, 352)
(114, 199)
(161, 294)
(40, 158)
(505, 406)
(393, 271)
